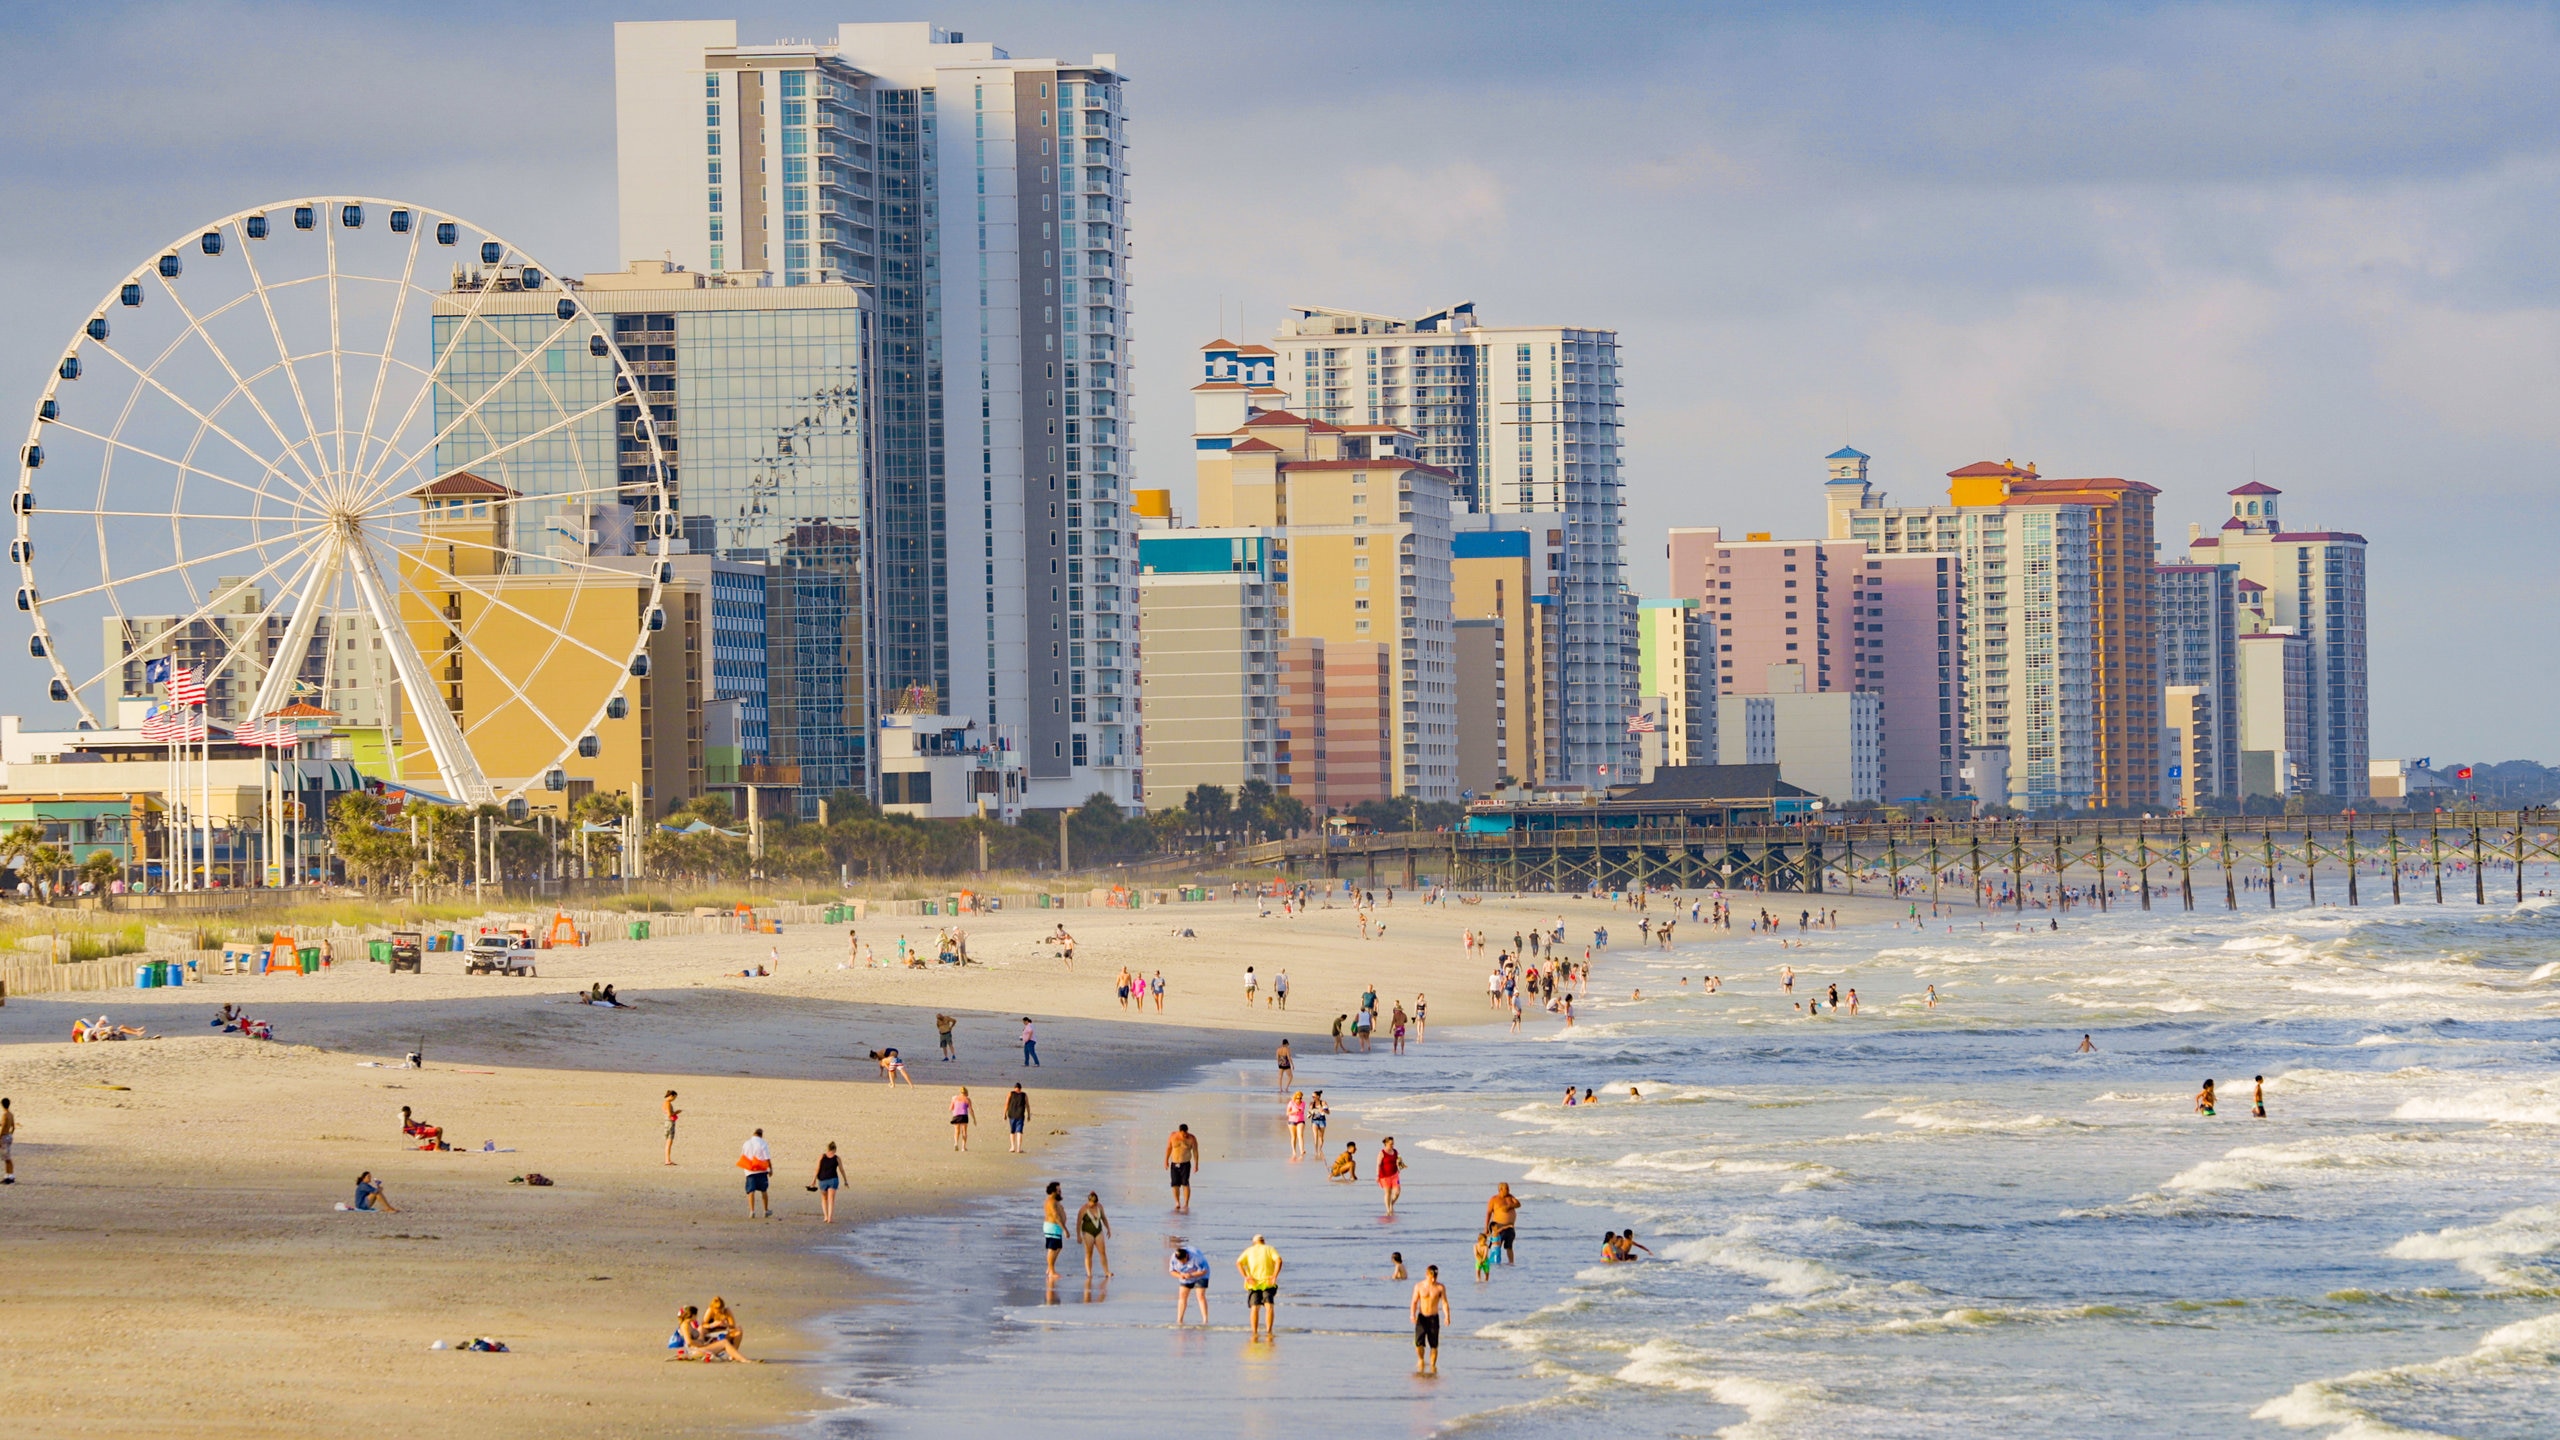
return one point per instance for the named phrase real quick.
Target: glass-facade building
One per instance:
(982, 200)
(758, 397)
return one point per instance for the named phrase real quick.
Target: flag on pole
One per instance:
(169, 724)
(155, 672)
(1642, 724)
(184, 687)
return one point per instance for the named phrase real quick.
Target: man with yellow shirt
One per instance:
(1260, 1267)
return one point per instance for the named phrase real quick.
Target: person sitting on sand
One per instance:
(417, 1129)
(892, 1069)
(227, 1018)
(721, 1333)
(1346, 1166)
(694, 1340)
(370, 1196)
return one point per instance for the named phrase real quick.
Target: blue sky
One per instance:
(2183, 244)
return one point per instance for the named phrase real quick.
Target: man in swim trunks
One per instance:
(1260, 1267)
(1501, 1217)
(1181, 1156)
(1190, 1271)
(1017, 1110)
(1429, 1307)
(672, 1114)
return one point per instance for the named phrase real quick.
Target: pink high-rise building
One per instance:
(1812, 616)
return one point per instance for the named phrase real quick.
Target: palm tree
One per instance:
(1253, 804)
(26, 851)
(1209, 806)
(1290, 814)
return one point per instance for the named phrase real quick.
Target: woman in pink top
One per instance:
(962, 1112)
(1298, 1126)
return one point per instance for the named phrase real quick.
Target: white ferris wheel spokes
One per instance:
(301, 453)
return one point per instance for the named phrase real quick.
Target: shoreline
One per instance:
(174, 1243)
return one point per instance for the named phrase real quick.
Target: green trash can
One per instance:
(639, 929)
(379, 951)
(310, 958)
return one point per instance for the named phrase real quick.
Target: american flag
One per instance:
(168, 725)
(1642, 724)
(184, 687)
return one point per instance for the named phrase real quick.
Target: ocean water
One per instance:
(1914, 1221)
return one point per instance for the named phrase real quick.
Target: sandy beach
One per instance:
(173, 1256)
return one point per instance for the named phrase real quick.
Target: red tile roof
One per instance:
(1255, 350)
(1250, 447)
(2254, 488)
(462, 482)
(1283, 417)
(1987, 467)
(1219, 345)
(1390, 462)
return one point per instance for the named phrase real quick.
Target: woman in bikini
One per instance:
(1093, 1231)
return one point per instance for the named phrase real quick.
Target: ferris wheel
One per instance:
(358, 457)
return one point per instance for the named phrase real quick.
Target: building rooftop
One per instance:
(1848, 453)
(2255, 488)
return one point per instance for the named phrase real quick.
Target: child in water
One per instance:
(2204, 1098)
(1484, 1256)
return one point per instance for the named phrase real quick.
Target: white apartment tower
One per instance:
(1527, 418)
(983, 198)
(2313, 584)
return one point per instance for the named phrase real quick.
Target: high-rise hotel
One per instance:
(982, 200)
(1525, 418)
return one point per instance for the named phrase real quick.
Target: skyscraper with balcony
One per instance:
(1526, 417)
(982, 197)
(2313, 585)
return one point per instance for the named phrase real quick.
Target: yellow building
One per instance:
(524, 660)
(1501, 655)
(1366, 531)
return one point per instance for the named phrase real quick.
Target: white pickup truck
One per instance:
(499, 955)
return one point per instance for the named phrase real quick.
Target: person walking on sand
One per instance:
(943, 1025)
(1155, 986)
(1190, 1271)
(672, 1114)
(830, 1175)
(1280, 1058)
(1317, 1113)
(1390, 1173)
(1030, 1043)
(1252, 985)
(962, 1113)
(9, 1139)
(1181, 1156)
(1093, 1232)
(1337, 1032)
(756, 1158)
(1280, 988)
(1260, 1267)
(1053, 1226)
(1429, 1308)
(1017, 1111)
(1298, 1126)
(1395, 1030)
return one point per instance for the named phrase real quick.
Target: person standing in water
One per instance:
(1053, 1226)
(1260, 1267)
(2204, 1098)
(1181, 1154)
(1429, 1308)
(1390, 1174)
(2086, 1047)
(2258, 1100)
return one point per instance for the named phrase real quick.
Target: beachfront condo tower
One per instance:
(980, 201)
(1525, 418)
